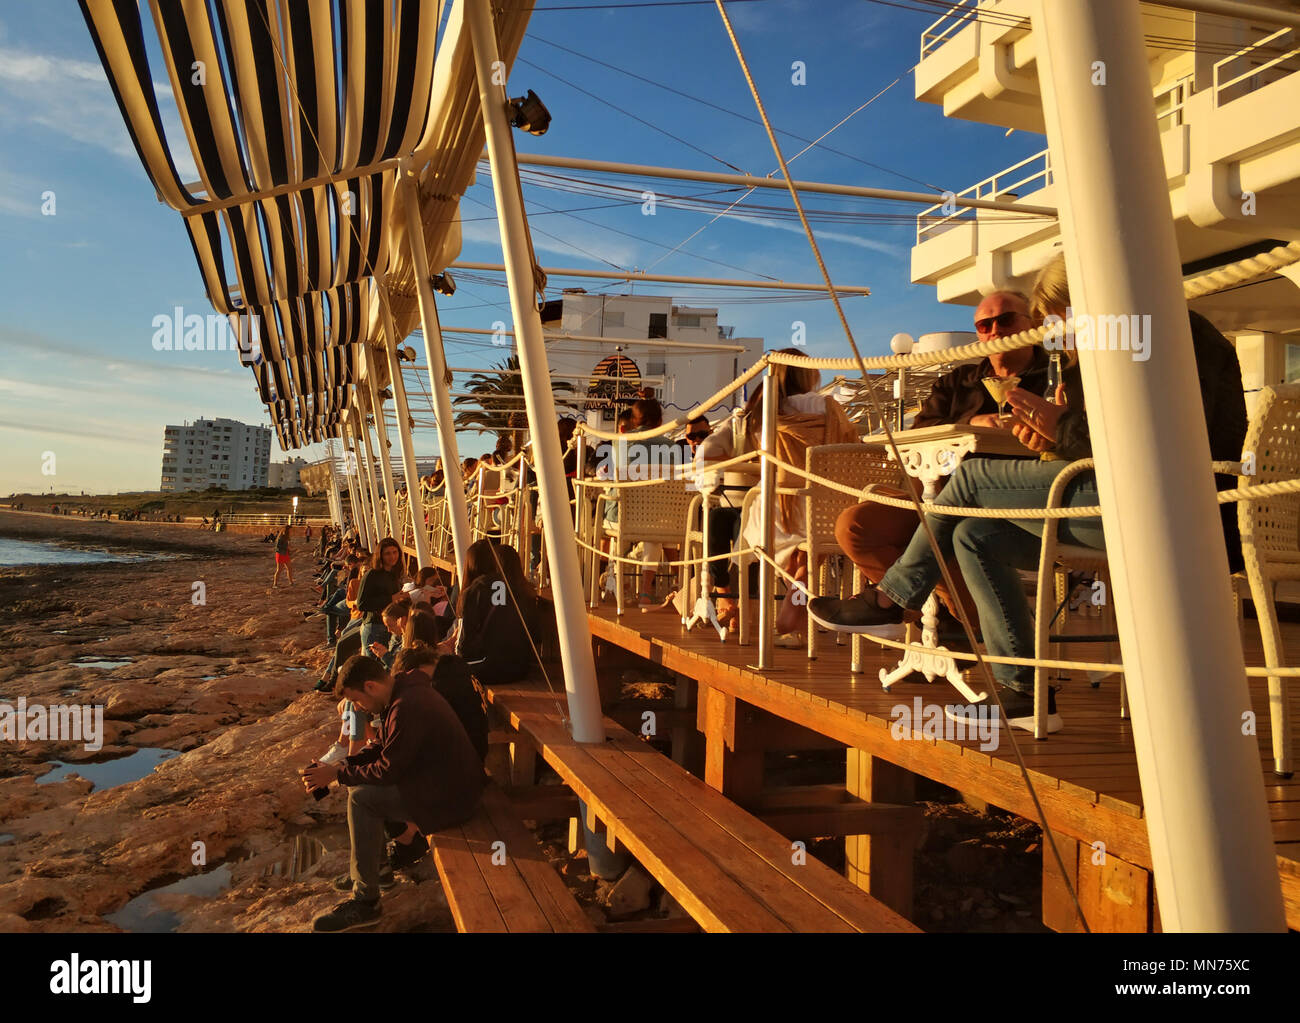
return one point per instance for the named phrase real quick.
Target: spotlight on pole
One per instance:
(443, 284)
(528, 113)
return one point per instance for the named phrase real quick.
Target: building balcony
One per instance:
(1232, 160)
(980, 60)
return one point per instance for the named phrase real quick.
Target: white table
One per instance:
(929, 454)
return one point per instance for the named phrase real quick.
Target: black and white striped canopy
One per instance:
(296, 113)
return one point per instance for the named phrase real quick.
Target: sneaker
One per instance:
(1017, 706)
(347, 916)
(343, 883)
(324, 685)
(857, 614)
(335, 755)
(406, 855)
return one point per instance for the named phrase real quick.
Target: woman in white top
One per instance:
(804, 419)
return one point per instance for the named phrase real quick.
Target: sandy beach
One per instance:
(219, 689)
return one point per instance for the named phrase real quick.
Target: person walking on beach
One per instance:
(283, 558)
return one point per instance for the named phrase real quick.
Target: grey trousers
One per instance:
(368, 807)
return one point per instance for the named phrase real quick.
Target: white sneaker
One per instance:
(336, 755)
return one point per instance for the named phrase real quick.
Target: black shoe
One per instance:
(324, 685)
(403, 855)
(343, 883)
(347, 916)
(857, 614)
(1017, 707)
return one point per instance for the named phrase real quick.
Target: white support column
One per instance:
(553, 498)
(335, 500)
(368, 467)
(381, 433)
(767, 506)
(356, 489)
(415, 499)
(1207, 816)
(435, 359)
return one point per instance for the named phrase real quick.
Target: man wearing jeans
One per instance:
(990, 554)
(424, 769)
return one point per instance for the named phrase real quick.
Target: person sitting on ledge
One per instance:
(423, 769)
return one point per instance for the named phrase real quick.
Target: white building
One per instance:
(284, 475)
(680, 377)
(1227, 95)
(215, 453)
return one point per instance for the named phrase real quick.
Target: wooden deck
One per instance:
(1086, 775)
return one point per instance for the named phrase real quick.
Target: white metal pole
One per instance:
(369, 467)
(414, 497)
(1203, 797)
(642, 170)
(360, 514)
(336, 500)
(381, 434)
(435, 359)
(649, 278)
(767, 509)
(566, 578)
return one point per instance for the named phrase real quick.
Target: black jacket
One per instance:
(494, 640)
(424, 751)
(958, 396)
(1222, 399)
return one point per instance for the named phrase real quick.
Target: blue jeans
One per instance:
(372, 631)
(336, 611)
(991, 552)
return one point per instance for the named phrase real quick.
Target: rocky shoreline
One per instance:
(224, 684)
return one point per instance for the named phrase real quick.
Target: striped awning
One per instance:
(296, 114)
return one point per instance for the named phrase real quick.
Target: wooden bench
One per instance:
(727, 869)
(496, 878)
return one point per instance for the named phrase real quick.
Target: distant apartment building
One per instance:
(285, 475)
(218, 453)
(698, 360)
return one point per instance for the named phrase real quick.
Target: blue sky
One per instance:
(79, 289)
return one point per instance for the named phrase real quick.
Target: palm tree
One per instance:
(497, 397)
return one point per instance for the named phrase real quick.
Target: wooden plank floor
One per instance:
(1085, 776)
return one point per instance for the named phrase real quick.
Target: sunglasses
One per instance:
(697, 437)
(1005, 321)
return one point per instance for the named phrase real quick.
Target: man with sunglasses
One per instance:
(874, 535)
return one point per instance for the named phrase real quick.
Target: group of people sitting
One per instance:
(410, 659)
(985, 556)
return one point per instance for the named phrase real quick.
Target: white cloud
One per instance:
(72, 98)
(590, 244)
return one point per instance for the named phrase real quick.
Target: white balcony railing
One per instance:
(1029, 175)
(1170, 103)
(961, 14)
(1252, 68)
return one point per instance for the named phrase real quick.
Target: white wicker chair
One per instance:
(855, 465)
(1270, 542)
(652, 514)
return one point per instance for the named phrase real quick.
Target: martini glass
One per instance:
(1000, 388)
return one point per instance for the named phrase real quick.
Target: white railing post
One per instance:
(381, 435)
(414, 495)
(369, 469)
(360, 511)
(454, 488)
(571, 616)
(767, 509)
(1207, 816)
